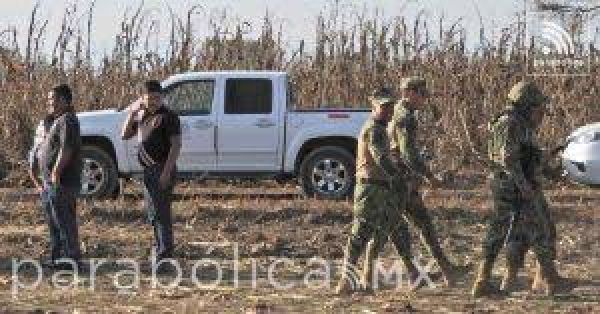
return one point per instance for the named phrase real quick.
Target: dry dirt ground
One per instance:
(267, 229)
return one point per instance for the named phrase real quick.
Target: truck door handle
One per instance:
(203, 124)
(264, 123)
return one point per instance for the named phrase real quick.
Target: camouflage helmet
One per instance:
(527, 94)
(382, 96)
(415, 83)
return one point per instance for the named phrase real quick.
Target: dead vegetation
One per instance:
(352, 53)
(298, 229)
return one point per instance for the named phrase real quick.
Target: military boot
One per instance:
(452, 273)
(482, 285)
(413, 274)
(509, 280)
(547, 281)
(514, 261)
(344, 286)
(536, 285)
(347, 284)
(367, 274)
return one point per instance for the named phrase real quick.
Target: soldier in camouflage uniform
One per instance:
(375, 204)
(517, 243)
(519, 204)
(405, 149)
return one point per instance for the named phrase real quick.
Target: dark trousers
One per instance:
(158, 206)
(59, 204)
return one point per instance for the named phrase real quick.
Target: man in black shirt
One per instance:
(159, 133)
(57, 159)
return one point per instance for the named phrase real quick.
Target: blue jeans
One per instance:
(158, 206)
(59, 204)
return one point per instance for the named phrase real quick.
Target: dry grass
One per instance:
(351, 55)
(297, 229)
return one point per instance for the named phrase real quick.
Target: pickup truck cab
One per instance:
(236, 124)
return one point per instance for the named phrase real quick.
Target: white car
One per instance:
(234, 124)
(581, 157)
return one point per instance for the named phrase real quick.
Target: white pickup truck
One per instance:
(235, 124)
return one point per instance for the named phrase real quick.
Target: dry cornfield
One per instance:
(350, 56)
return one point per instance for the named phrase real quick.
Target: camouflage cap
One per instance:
(527, 94)
(415, 83)
(382, 96)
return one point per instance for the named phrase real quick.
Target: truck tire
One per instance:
(328, 173)
(99, 177)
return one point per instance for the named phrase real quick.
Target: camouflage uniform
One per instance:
(520, 239)
(534, 227)
(514, 150)
(403, 130)
(375, 213)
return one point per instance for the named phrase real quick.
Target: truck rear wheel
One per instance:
(99, 177)
(328, 173)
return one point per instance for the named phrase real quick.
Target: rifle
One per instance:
(488, 163)
(495, 167)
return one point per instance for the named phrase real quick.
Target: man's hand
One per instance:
(129, 126)
(135, 110)
(435, 182)
(397, 183)
(136, 106)
(165, 178)
(526, 191)
(38, 187)
(55, 177)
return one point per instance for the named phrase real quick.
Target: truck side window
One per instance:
(248, 96)
(191, 97)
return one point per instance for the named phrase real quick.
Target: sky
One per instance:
(296, 16)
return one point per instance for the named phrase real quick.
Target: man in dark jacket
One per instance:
(159, 133)
(57, 160)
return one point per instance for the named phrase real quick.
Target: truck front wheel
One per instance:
(328, 173)
(99, 177)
